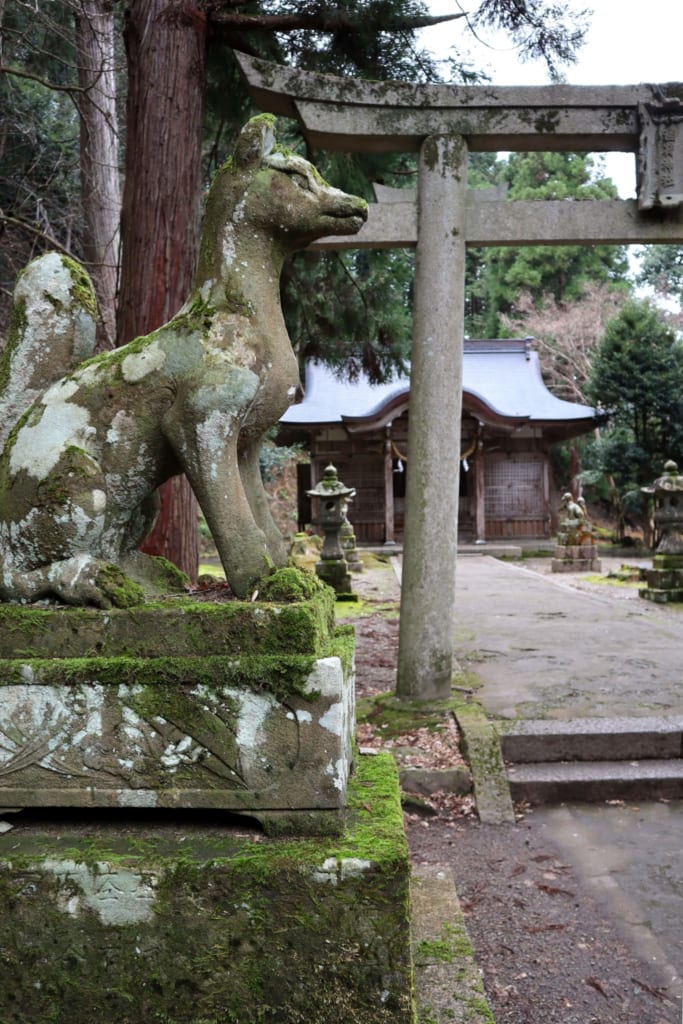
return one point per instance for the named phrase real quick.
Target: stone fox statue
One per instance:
(86, 443)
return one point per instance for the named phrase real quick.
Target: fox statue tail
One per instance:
(51, 331)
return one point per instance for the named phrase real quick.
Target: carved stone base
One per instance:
(576, 558)
(266, 735)
(335, 572)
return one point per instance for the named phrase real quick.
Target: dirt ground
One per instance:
(548, 949)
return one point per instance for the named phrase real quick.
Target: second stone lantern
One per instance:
(333, 498)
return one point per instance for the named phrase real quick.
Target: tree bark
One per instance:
(166, 48)
(99, 155)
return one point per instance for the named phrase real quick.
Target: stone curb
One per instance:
(481, 747)
(448, 984)
(427, 781)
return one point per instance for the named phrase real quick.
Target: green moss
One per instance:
(265, 120)
(115, 357)
(177, 626)
(479, 1005)
(165, 575)
(122, 591)
(236, 303)
(28, 632)
(452, 945)
(290, 584)
(625, 576)
(82, 287)
(343, 646)
(395, 717)
(240, 930)
(361, 609)
(281, 675)
(16, 328)
(197, 317)
(61, 485)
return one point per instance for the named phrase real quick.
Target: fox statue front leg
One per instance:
(203, 428)
(259, 502)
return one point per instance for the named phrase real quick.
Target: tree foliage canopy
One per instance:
(637, 377)
(498, 277)
(363, 299)
(661, 268)
(567, 334)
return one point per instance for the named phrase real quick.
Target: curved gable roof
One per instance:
(502, 385)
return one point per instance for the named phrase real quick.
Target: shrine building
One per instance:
(510, 422)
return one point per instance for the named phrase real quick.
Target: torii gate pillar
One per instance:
(425, 660)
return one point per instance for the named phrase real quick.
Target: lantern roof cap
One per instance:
(331, 486)
(670, 481)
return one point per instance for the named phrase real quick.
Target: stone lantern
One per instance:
(333, 499)
(665, 579)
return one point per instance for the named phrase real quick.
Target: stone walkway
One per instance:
(548, 647)
(544, 649)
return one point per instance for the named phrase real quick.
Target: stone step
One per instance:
(593, 739)
(553, 782)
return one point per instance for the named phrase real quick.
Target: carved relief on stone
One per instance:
(660, 157)
(175, 745)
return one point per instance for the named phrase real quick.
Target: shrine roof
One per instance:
(502, 386)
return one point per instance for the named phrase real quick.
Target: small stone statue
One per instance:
(665, 578)
(576, 549)
(668, 495)
(86, 444)
(576, 528)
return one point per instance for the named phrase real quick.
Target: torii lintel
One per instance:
(358, 116)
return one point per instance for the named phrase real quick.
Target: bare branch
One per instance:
(18, 73)
(36, 232)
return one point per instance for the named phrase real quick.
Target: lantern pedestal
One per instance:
(664, 579)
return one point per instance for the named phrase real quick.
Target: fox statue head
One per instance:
(267, 191)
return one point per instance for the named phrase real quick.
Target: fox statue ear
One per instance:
(255, 141)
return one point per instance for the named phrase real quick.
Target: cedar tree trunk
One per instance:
(99, 155)
(166, 48)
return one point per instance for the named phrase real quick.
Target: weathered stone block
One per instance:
(576, 564)
(661, 596)
(426, 781)
(268, 735)
(189, 922)
(178, 627)
(668, 562)
(664, 578)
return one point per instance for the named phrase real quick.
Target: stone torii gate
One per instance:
(443, 124)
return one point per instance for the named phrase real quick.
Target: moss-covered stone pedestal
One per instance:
(130, 919)
(664, 579)
(576, 558)
(129, 892)
(240, 706)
